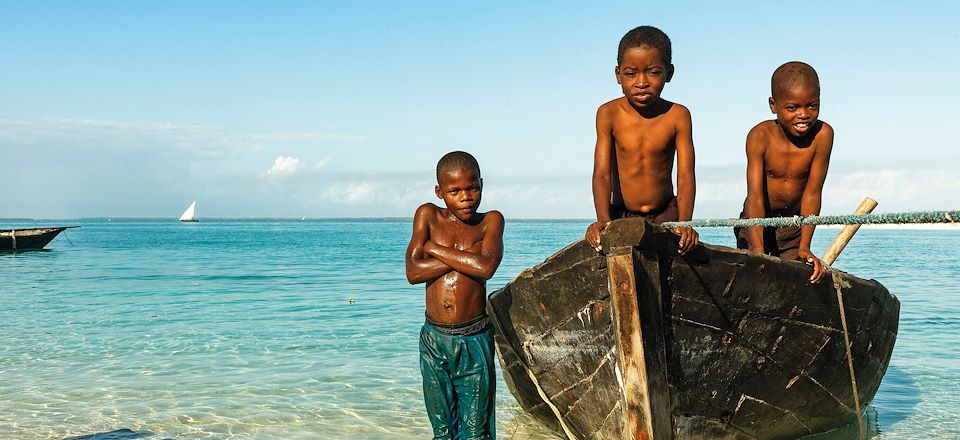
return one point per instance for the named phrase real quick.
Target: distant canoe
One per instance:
(725, 344)
(28, 239)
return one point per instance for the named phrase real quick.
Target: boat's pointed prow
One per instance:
(190, 215)
(28, 239)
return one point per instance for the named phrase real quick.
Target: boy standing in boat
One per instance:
(787, 160)
(455, 250)
(637, 138)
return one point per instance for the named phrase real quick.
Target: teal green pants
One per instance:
(459, 383)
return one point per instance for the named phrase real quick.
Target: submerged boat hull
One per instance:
(28, 239)
(736, 345)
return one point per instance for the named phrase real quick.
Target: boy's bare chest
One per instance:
(644, 136)
(788, 160)
(456, 235)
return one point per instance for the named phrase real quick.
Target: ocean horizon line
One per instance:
(14, 220)
(291, 219)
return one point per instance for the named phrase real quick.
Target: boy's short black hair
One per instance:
(646, 36)
(791, 75)
(457, 160)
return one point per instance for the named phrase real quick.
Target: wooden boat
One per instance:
(28, 239)
(716, 344)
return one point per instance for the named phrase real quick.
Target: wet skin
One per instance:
(455, 249)
(787, 161)
(637, 138)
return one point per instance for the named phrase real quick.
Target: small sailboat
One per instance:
(190, 215)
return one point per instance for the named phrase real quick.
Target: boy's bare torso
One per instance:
(645, 147)
(456, 297)
(786, 166)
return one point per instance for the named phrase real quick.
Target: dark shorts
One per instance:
(779, 242)
(459, 382)
(666, 213)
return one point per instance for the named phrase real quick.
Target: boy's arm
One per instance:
(754, 206)
(811, 199)
(601, 176)
(482, 264)
(686, 180)
(420, 267)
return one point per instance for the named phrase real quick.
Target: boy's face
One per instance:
(797, 109)
(642, 75)
(460, 190)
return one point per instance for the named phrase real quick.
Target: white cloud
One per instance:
(307, 136)
(898, 190)
(283, 166)
(350, 193)
(386, 195)
(360, 192)
(91, 134)
(202, 141)
(547, 196)
(415, 193)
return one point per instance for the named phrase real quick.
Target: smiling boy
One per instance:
(455, 250)
(787, 160)
(637, 138)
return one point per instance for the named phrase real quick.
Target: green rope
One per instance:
(863, 219)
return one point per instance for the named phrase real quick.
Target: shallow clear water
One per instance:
(246, 329)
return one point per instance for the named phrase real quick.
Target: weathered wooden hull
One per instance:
(27, 239)
(750, 349)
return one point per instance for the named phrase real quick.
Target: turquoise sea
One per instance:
(308, 329)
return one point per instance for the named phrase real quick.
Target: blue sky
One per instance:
(341, 109)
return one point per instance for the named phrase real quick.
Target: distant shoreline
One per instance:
(261, 219)
(907, 226)
(915, 226)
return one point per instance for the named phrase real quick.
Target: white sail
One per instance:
(190, 214)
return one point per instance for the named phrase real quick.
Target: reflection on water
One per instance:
(900, 396)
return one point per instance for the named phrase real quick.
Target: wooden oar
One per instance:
(866, 206)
